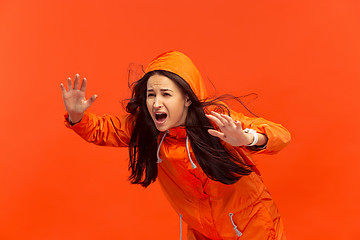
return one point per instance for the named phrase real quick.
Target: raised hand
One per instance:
(74, 98)
(230, 131)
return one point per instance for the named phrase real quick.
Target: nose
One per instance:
(157, 103)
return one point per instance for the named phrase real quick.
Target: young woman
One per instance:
(198, 149)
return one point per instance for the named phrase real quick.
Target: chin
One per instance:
(162, 128)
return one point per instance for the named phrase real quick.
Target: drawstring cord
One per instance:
(159, 160)
(188, 152)
(238, 233)
(180, 226)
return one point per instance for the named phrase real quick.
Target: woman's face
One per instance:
(167, 104)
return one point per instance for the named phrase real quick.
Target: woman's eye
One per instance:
(151, 95)
(167, 94)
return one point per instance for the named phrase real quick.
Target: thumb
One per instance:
(91, 100)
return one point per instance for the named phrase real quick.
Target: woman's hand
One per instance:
(74, 99)
(230, 131)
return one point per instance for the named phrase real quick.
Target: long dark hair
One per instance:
(217, 162)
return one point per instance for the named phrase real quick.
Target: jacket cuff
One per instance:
(76, 125)
(276, 139)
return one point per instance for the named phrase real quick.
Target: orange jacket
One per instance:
(212, 210)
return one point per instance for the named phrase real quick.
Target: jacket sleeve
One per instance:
(278, 136)
(107, 130)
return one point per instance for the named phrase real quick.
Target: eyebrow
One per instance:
(162, 90)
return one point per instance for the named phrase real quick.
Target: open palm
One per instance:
(74, 98)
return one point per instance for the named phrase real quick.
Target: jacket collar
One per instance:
(176, 132)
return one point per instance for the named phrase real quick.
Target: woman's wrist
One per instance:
(255, 139)
(252, 136)
(73, 119)
(262, 139)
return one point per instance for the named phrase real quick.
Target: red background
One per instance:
(301, 57)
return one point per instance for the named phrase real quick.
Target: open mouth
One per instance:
(160, 117)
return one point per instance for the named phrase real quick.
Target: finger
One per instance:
(238, 125)
(91, 100)
(229, 120)
(76, 81)
(63, 89)
(215, 120)
(83, 85)
(216, 134)
(219, 116)
(69, 83)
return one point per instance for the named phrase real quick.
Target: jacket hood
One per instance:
(178, 63)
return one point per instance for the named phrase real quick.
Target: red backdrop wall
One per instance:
(301, 57)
